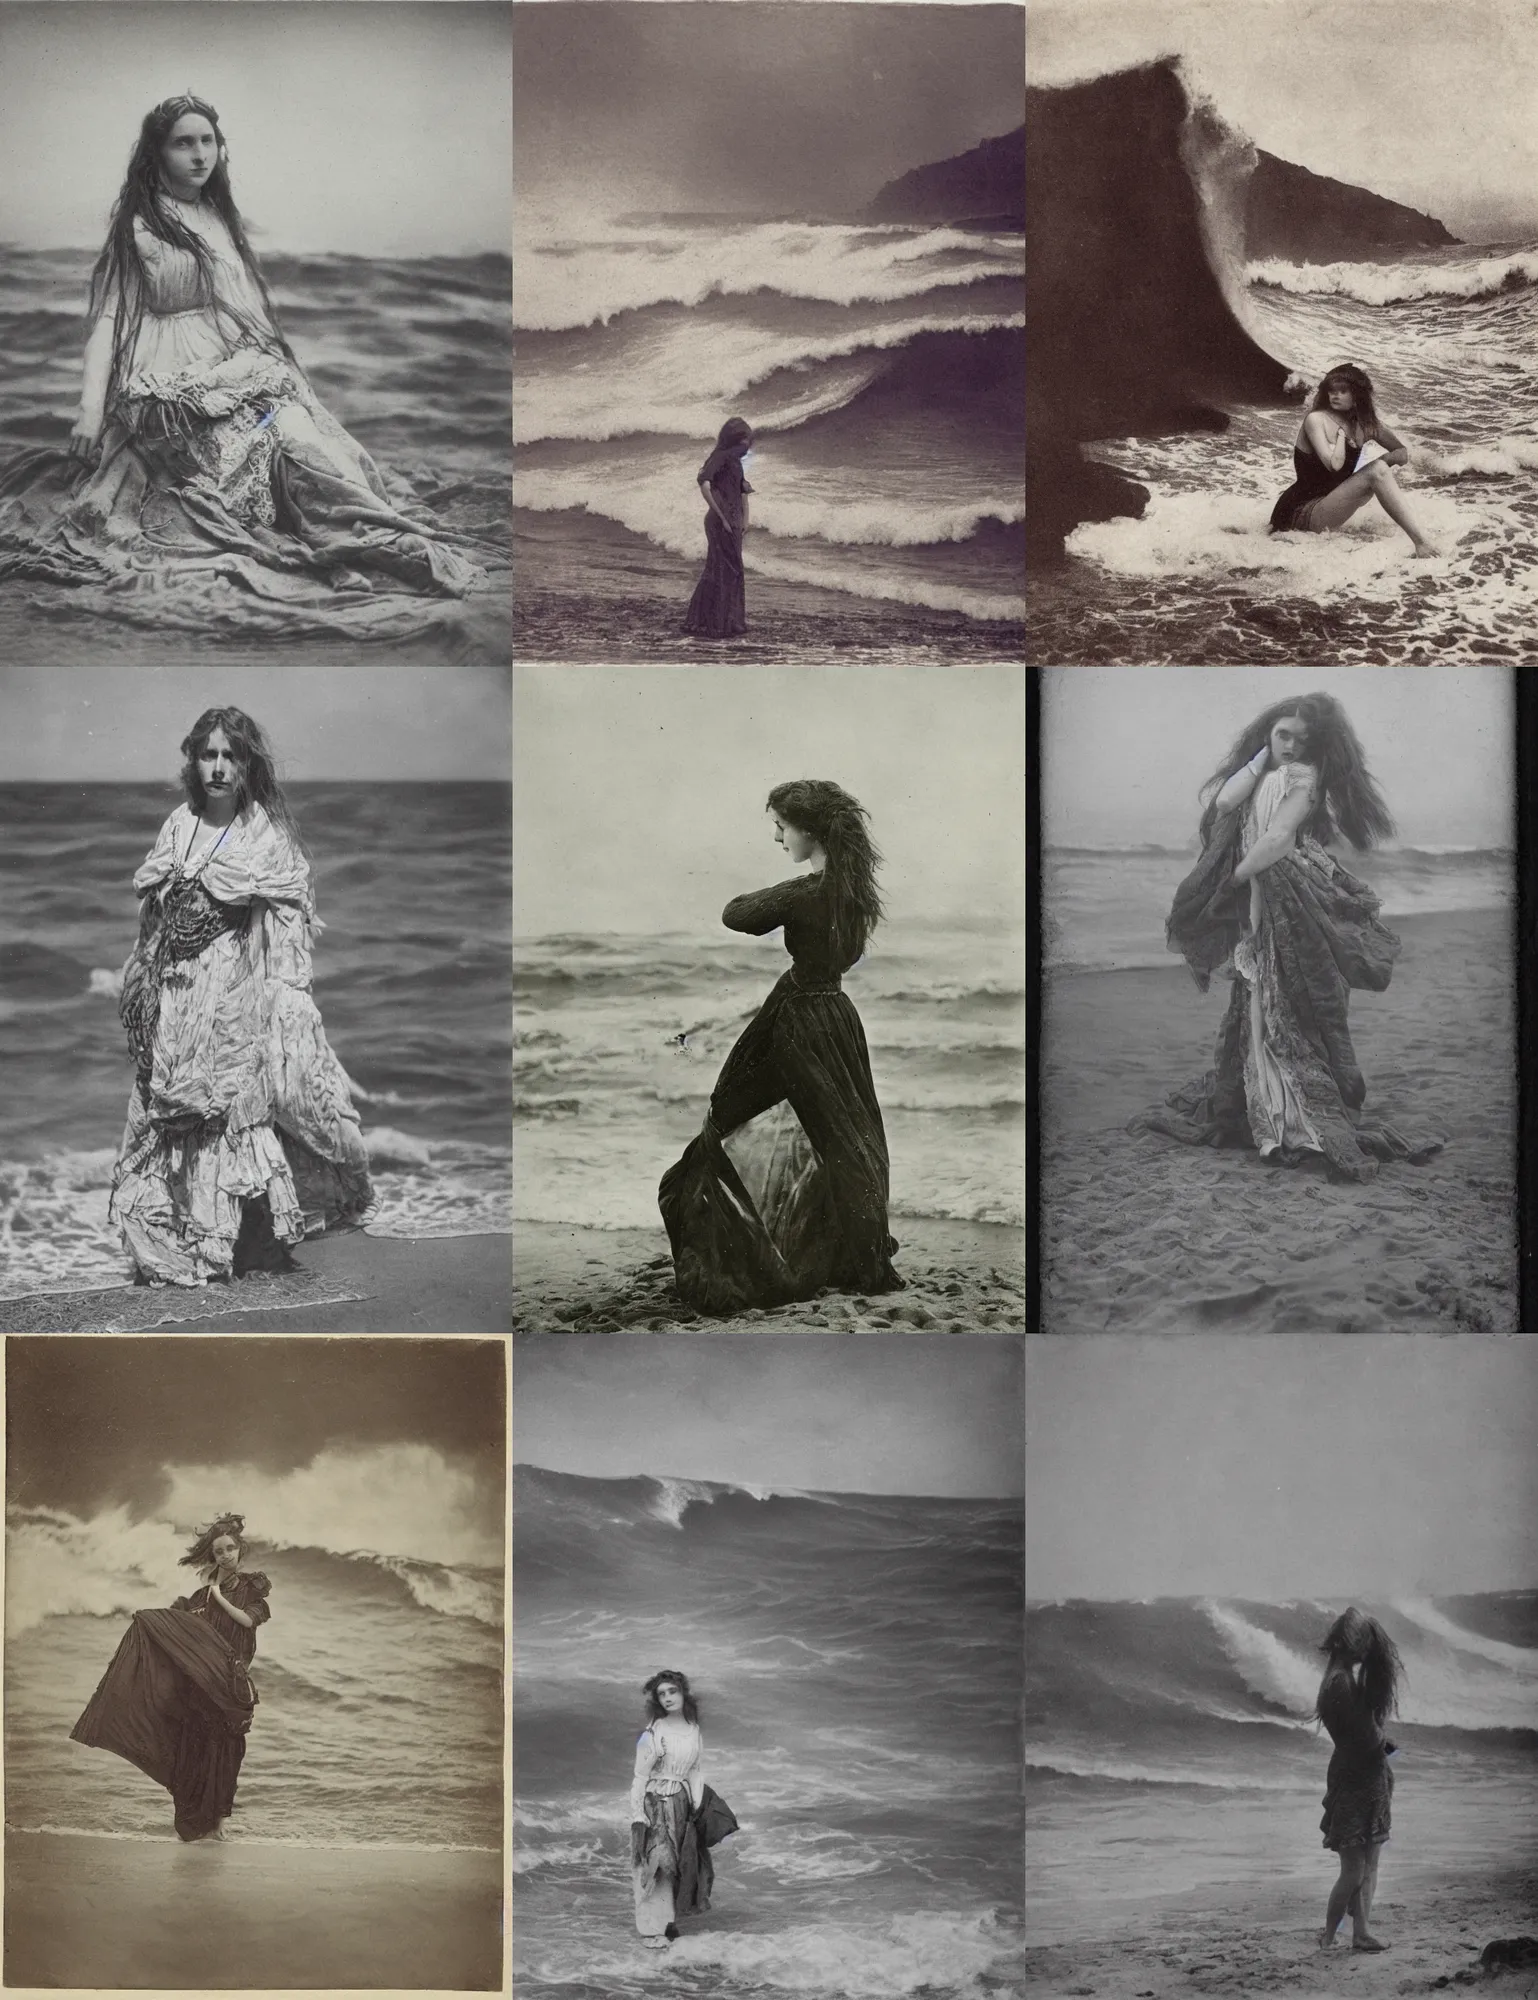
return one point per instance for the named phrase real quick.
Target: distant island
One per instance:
(982, 189)
(1307, 218)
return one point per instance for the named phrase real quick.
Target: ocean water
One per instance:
(857, 1663)
(379, 1717)
(411, 978)
(1168, 1747)
(411, 355)
(1447, 337)
(618, 1042)
(879, 366)
(1106, 907)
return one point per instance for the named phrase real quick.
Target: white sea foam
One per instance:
(1266, 1664)
(1074, 1763)
(576, 280)
(1392, 284)
(1520, 1659)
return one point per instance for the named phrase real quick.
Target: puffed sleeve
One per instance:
(1296, 777)
(764, 910)
(647, 1751)
(161, 858)
(253, 1599)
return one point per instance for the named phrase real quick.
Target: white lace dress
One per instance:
(667, 1784)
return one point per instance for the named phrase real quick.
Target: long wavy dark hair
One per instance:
(654, 1709)
(1355, 1640)
(200, 1553)
(1349, 801)
(837, 822)
(1364, 410)
(736, 433)
(258, 781)
(119, 270)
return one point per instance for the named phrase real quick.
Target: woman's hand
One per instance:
(83, 443)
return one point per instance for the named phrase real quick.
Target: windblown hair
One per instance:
(734, 432)
(118, 278)
(1359, 382)
(258, 782)
(200, 1554)
(1357, 1640)
(654, 1709)
(1349, 801)
(837, 823)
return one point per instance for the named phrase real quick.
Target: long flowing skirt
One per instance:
(718, 608)
(785, 1189)
(673, 1874)
(231, 500)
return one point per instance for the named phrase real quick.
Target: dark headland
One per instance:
(981, 189)
(1307, 218)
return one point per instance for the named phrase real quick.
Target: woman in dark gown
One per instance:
(1356, 1697)
(784, 1191)
(1329, 484)
(177, 1699)
(718, 608)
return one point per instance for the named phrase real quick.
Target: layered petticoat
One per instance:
(238, 1095)
(1284, 1077)
(227, 496)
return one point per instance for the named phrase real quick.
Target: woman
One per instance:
(718, 609)
(1268, 906)
(666, 1793)
(761, 1211)
(177, 1699)
(241, 1134)
(1330, 481)
(1356, 1697)
(201, 458)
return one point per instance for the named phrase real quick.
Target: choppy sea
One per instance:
(413, 885)
(879, 366)
(1168, 1747)
(1447, 336)
(378, 1675)
(1106, 907)
(618, 1042)
(857, 1662)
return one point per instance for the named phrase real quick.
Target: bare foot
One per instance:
(1326, 1940)
(1425, 551)
(1367, 1943)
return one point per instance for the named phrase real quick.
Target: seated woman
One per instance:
(1331, 483)
(201, 456)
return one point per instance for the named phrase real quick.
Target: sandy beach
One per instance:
(583, 595)
(1143, 1234)
(962, 1277)
(444, 1284)
(89, 1911)
(1240, 1940)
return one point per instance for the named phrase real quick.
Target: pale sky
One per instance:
(638, 792)
(1293, 1466)
(895, 1413)
(379, 130)
(1429, 102)
(377, 721)
(1125, 749)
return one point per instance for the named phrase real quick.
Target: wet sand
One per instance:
(961, 1277)
(1236, 1940)
(1145, 1235)
(89, 1911)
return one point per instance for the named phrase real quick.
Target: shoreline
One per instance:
(88, 1910)
(584, 598)
(962, 1277)
(398, 1284)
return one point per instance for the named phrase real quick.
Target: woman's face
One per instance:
(190, 153)
(226, 1552)
(1289, 740)
(669, 1698)
(1342, 398)
(218, 766)
(797, 845)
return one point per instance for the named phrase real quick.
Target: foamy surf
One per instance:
(1397, 284)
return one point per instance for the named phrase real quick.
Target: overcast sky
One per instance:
(378, 130)
(1430, 102)
(1126, 749)
(375, 721)
(896, 1413)
(1292, 1466)
(810, 105)
(638, 792)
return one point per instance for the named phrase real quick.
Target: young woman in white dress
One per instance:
(665, 1791)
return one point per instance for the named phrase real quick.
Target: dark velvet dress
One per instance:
(1312, 479)
(177, 1700)
(763, 1209)
(1359, 1786)
(718, 608)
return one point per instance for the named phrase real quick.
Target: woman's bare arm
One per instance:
(1277, 840)
(1398, 452)
(234, 1610)
(1327, 437)
(1238, 788)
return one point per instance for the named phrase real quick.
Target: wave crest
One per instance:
(1399, 284)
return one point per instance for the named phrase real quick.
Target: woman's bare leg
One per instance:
(1353, 1866)
(1362, 1938)
(1378, 483)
